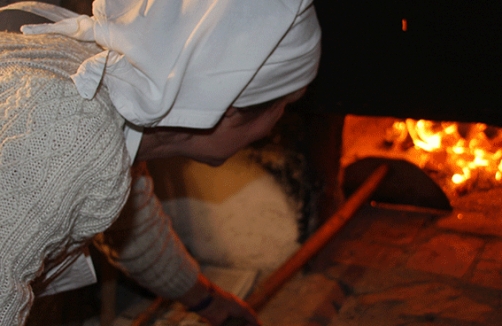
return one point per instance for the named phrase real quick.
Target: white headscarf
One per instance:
(184, 62)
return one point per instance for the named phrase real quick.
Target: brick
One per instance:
(395, 230)
(488, 270)
(471, 222)
(434, 299)
(492, 251)
(488, 273)
(305, 300)
(367, 254)
(446, 254)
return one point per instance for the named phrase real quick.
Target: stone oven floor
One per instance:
(397, 268)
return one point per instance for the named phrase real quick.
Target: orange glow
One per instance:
(404, 24)
(469, 153)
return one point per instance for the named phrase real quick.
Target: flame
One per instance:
(466, 150)
(423, 134)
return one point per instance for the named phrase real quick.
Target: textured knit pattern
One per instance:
(143, 244)
(64, 169)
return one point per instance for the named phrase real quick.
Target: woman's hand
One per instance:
(217, 305)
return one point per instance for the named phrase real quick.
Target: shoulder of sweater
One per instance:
(49, 42)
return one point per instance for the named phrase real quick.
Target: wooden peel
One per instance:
(264, 291)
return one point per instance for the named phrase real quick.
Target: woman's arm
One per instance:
(143, 244)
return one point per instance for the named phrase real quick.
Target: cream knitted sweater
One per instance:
(143, 244)
(64, 176)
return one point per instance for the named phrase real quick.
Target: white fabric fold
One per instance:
(183, 63)
(89, 75)
(46, 10)
(79, 27)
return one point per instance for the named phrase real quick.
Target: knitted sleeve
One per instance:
(143, 244)
(64, 170)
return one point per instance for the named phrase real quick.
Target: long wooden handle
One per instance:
(316, 242)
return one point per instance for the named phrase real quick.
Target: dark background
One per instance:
(446, 66)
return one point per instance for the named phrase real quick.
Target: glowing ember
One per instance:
(468, 153)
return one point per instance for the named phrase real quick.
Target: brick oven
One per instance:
(433, 60)
(388, 64)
